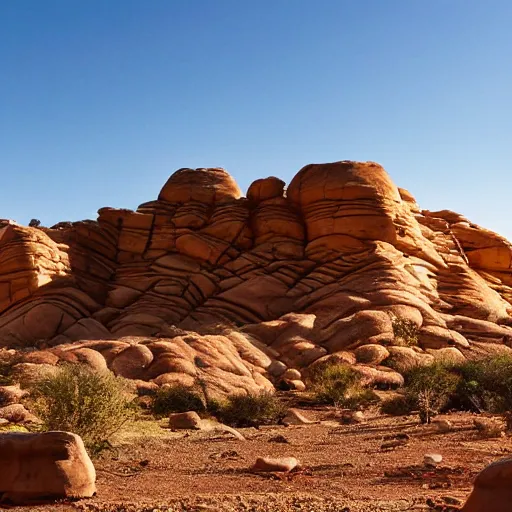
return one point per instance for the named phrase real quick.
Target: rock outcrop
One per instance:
(204, 285)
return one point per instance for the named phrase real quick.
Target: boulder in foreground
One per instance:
(493, 489)
(44, 466)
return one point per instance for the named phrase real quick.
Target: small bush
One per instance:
(431, 387)
(400, 405)
(177, 398)
(486, 384)
(405, 331)
(338, 384)
(249, 410)
(77, 399)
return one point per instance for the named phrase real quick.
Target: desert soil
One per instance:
(344, 468)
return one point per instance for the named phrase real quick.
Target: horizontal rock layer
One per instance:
(206, 285)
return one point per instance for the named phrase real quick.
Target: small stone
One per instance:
(283, 464)
(276, 369)
(296, 385)
(295, 417)
(11, 395)
(292, 374)
(278, 439)
(442, 425)
(185, 420)
(393, 444)
(352, 417)
(432, 459)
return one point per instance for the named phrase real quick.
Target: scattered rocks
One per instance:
(280, 465)
(16, 413)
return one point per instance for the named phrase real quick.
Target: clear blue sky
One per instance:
(101, 100)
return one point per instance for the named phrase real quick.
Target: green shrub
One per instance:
(406, 332)
(177, 398)
(431, 387)
(249, 410)
(486, 384)
(339, 384)
(80, 400)
(400, 405)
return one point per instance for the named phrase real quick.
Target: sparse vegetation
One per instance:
(77, 399)
(430, 388)
(405, 331)
(249, 410)
(486, 384)
(177, 398)
(340, 385)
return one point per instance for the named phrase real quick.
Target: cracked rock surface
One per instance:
(205, 285)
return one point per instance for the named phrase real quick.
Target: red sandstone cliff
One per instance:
(206, 284)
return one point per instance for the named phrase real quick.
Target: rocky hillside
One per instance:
(205, 285)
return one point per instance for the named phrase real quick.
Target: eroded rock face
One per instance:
(49, 465)
(203, 285)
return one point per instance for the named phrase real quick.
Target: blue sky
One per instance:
(101, 100)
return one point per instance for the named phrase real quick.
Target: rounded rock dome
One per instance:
(345, 180)
(206, 185)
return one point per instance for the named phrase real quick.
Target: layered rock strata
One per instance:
(204, 285)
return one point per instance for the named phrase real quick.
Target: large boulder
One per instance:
(45, 466)
(493, 489)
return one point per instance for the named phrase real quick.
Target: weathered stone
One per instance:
(17, 413)
(282, 465)
(432, 459)
(185, 420)
(46, 466)
(492, 489)
(295, 417)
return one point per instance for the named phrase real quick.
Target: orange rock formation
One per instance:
(204, 284)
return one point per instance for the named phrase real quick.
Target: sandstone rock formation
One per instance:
(50, 465)
(204, 285)
(493, 489)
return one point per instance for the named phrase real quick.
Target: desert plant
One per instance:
(339, 384)
(249, 410)
(486, 384)
(77, 399)
(405, 331)
(177, 398)
(431, 387)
